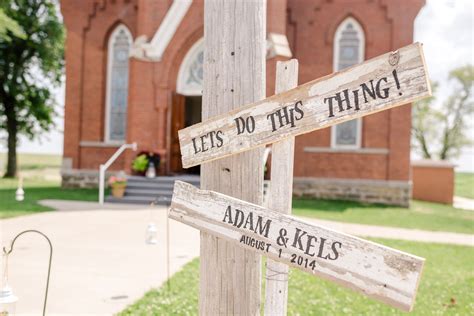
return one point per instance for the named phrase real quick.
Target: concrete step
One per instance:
(145, 200)
(147, 192)
(143, 190)
(164, 179)
(150, 186)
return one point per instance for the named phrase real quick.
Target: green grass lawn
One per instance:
(464, 185)
(41, 180)
(421, 215)
(446, 288)
(37, 190)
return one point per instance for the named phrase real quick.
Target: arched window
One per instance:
(349, 49)
(119, 45)
(190, 75)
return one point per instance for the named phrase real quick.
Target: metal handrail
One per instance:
(104, 167)
(266, 154)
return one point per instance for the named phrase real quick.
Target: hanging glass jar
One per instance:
(7, 298)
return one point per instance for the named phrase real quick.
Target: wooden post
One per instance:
(281, 189)
(234, 75)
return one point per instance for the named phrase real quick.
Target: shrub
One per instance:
(140, 163)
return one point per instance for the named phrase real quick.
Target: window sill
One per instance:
(375, 151)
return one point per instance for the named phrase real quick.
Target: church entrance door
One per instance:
(186, 111)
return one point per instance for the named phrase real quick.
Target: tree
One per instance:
(442, 132)
(31, 64)
(7, 24)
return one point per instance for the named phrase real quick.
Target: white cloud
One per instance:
(446, 29)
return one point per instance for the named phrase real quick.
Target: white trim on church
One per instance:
(154, 50)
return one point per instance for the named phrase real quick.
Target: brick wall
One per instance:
(89, 24)
(433, 181)
(310, 26)
(387, 25)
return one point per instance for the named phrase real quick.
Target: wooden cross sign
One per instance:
(378, 84)
(383, 273)
(384, 82)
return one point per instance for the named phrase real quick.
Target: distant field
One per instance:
(464, 185)
(33, 161)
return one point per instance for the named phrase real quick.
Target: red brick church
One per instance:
(134, 74)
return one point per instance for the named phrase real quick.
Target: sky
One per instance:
(445, 27)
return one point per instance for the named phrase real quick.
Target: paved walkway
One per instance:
(65, 205)
(397, 233)
(463, 203)
(101, 263)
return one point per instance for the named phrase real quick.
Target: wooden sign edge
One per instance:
(396, 304)
(428, 93)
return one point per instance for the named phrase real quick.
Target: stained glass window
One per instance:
(190, 76)
(119, 49)
(349, 47)
(195, 74)
(349, 50)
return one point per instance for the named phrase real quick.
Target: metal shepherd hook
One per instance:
(50, 259)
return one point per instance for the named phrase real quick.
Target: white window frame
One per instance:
(337, 38)
(109, 79)
(182, 87)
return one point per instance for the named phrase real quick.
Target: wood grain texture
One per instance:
(378, 84)
(379, 272)
(280, 196)
(234, 74)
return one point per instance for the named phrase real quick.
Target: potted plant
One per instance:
(140, 164)
(118, 185)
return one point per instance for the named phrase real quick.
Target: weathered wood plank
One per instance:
(381, 83)
(280, 196)
(234, 75)
(383, 273)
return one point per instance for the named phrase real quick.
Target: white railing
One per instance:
(105, 166)
(266, 153)
(266, 183)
